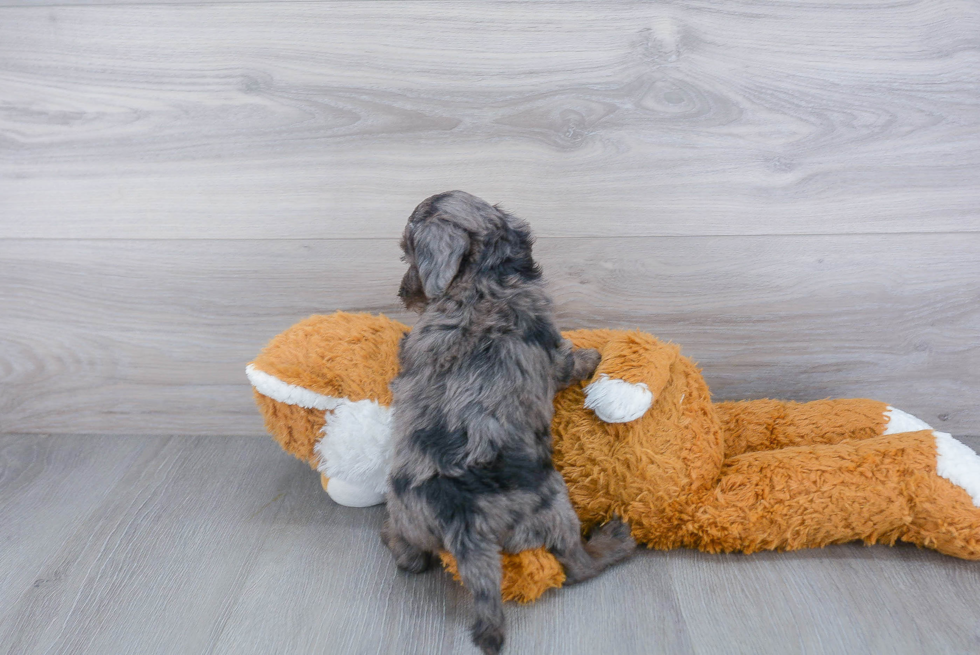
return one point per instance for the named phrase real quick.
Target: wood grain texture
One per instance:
(333, 119)
(227, 545)
(152, 336)
(791, 190)
(62, 482)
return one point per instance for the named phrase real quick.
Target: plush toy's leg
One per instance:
(526, 575)
(632, 372)
(769, 424)
(914, 487)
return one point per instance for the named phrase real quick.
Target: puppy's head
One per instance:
(454, 239)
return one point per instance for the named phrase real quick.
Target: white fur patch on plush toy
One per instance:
(957, 462)
(356, 445)
(617, 401)
(274, 388)
(899, 421)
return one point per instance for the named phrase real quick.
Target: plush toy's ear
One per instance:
(439, 249)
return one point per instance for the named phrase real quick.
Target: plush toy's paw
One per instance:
(617, 401)
(351, 495)
(899, 421)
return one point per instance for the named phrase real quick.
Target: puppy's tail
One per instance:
(478, 563)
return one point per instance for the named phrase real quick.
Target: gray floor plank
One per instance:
(48, 489)
(788, 189)
(227, 545)
(155, 569)
(151, 337)
(276, 119)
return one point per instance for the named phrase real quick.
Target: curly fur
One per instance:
(472, 470)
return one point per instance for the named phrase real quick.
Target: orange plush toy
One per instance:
(642, 440)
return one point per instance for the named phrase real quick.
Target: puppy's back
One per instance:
(476, 382)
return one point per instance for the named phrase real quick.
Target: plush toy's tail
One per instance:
(918, 487)
(947, 512)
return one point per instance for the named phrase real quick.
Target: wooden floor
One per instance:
(135, 544)
(788, 188)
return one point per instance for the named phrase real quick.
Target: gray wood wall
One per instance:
(791, 190)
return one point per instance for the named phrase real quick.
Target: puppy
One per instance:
(472, 471)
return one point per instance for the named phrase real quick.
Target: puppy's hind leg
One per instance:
(407, 557)
(607, 545)
(585, 558)
(478, 563)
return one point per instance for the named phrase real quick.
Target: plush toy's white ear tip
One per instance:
(617, 401)
(273, 387)
(352, 495)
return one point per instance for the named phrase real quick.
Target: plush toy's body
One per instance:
(644, 441)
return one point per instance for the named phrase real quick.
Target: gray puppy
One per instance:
(472, 471)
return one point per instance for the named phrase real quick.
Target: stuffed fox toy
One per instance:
(643, 441)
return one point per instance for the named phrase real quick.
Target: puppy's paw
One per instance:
(611, 542)
(615, 529)
(488, 637)
(407, 557)
(586, 362)
(416, 561)
(617, 401)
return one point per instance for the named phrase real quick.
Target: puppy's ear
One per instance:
(439, 249)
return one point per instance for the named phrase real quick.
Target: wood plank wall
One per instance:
(789, 189)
